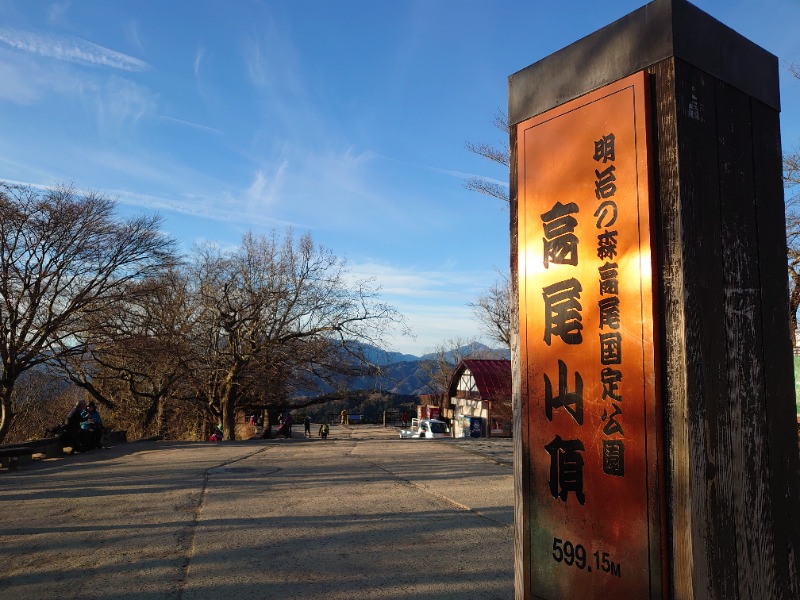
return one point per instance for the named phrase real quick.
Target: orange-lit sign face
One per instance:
(587, 348)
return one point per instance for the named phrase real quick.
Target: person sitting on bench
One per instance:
(91, 426)
(74, 434)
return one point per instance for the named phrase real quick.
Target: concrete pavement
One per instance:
(360, 515)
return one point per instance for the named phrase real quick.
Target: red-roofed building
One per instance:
(480, 398)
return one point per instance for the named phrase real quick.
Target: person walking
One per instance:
(307, 426)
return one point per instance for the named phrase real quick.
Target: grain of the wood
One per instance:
(784, 462)
(750, 501)
(709, 439)
(673, 363)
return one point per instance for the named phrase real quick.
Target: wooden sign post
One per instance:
(657, 454)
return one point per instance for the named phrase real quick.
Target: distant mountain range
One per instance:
(384, 357)
(406, 374)
(406, 378)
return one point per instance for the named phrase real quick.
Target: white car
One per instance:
(426, 428)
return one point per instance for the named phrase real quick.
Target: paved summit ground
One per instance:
(361, 515)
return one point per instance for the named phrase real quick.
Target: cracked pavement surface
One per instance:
(363, 514)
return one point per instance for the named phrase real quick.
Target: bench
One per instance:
(111, 438)
(15, 455)
(50, 447)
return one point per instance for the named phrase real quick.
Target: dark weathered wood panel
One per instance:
(669, 279)
(732, 490)
(713, 528)
(784, 462)
(745, 415)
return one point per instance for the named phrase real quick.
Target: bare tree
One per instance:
(791, 178)
(136, 357)
(493, 311)
(276, 313)
(63, 258)
(445, 357)
(492, 308)
(496, 153)
(38, 395)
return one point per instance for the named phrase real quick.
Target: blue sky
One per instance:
(345, 119)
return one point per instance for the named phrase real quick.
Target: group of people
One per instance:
(285, 427)
(83, 427)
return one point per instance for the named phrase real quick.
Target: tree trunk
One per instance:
(230, 420)
(228, 413)
(269, 415)
(161, 422)
(6, 389)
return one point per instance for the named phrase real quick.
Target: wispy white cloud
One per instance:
(434, 325)
(420, 283)
(451, 172)
(37, 186)
(271, 60)
(346, 177)
(265, 190)
(18, 86)
(432, 301)
(118, 100)
(132, 34)
(70, 49)
(194, 205)
(466, 176)
(190, 124)
(256, 62)
(109, 98)
(326, 186)
(57, 11)
(198, 60)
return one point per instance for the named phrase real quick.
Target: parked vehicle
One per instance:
(426, 428)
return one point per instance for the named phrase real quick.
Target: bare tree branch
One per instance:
(497, 153)
(281, 314)
(791, 181)
(493, 311)
(487, 187)
(64, 257)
